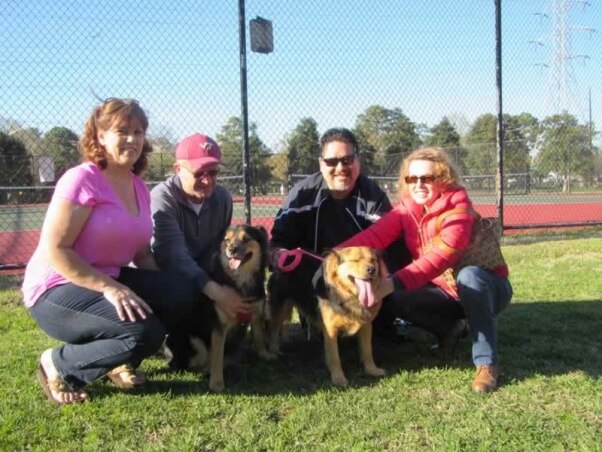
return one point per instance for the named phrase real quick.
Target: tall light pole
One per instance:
(499, 180)
(261, 42)
(244, 109)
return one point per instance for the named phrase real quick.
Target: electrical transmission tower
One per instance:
(562, 85)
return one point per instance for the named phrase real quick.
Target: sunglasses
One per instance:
(209, 174)
(334, 161)
(422, 179)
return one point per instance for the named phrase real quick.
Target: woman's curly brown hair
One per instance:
(103, 117)
(445, 171)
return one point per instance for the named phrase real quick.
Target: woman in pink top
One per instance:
(419, 292)
(78, 286)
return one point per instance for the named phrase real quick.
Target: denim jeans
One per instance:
(96, 340)
(483, 296)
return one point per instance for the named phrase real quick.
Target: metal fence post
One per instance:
(246, 168)
(499, 180)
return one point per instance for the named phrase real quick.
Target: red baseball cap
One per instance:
(199, 151)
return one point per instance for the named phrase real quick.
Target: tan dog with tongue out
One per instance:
(348, 302)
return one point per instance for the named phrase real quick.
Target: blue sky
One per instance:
(331, 61)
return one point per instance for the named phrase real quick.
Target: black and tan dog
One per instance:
(344, 302)
(240, 263)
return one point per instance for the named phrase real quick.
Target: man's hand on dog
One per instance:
(228, 300)
(286, 260)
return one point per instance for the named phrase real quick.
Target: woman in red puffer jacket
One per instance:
(422, 292)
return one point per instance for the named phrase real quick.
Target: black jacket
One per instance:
(311, 219)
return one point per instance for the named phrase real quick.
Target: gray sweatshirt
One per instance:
(182, 240)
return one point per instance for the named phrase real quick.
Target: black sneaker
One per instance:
(394, 331)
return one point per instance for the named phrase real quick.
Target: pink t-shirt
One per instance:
(110, 238)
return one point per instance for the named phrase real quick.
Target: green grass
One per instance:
(550, 399)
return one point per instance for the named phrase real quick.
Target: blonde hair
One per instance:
(103, 117)
(445, 171)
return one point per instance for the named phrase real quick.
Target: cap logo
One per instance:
(206, 146)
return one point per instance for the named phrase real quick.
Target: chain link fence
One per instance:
(399, 74)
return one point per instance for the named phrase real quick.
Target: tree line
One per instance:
(558, 145)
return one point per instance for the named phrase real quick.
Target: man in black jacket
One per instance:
(327, 208)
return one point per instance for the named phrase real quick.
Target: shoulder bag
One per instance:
(484, 248)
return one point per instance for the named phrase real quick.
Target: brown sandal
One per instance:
(53, 388)
(126, 377)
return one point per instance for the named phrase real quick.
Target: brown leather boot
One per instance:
(485, 379)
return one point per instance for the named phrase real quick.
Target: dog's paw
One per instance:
(339, 380)
(374, 371)
(216, 385)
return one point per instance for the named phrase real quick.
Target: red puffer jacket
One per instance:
(417, 226)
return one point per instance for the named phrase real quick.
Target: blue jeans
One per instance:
(96, 340)
(483, 296)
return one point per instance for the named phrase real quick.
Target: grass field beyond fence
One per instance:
(550, 395)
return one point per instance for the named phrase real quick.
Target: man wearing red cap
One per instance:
(191, 213)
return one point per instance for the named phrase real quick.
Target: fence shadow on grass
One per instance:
(537, 338)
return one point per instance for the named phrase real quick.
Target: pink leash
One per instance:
(315, 256)
(297, 254)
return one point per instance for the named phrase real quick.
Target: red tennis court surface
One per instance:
(17, 247)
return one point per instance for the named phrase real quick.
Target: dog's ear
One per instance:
(262, 234)
(262, 238)
(331, 262)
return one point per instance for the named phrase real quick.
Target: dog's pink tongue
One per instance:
(366, 294)
(234, 263)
